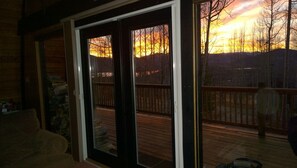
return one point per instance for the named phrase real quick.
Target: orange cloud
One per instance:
(242, 14)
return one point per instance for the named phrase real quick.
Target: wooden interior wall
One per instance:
(10, 50)
(31, 92)
(55, 62)
(32, 6)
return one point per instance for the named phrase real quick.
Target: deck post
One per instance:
(261, 109)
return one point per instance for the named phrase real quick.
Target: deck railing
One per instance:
(103, 94)
(225, 105)
(238, 106)
(150, 98)
(153, 98)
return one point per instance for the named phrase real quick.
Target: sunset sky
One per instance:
(241, 14)
(244, 14)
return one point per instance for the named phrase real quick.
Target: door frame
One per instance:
(124, 77)
(176, 75)
(93, 32)
(127, 25)
(176, 59)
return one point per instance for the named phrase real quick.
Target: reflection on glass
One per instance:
(249, 80)
(153, 96)
(102, 80)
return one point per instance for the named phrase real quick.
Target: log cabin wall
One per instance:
(33, 6)
(10, 50)
(54, 53)
(32, 97)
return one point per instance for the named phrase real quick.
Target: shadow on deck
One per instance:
(221, 144)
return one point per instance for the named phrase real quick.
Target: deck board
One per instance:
(221, 144)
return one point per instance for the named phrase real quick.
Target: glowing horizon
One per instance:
(145, 42)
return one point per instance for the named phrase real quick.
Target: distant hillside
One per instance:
(248, 69)
(229, 69)
(149, 69)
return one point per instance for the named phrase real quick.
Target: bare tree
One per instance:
(253, 40)
(242, 39)
(288, 40)
(145, 42)
(101, 45)
(272, 21)
(166, 41)
(294, 38)
(232, 43)
(140, 42)
(260, 36)
(210, 13)
(152, 40)
(294, 24)
(134, 41)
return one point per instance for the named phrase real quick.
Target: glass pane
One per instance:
(249, 80)
(102, 80)
(152, 74)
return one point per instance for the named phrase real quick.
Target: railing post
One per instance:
(261, 109)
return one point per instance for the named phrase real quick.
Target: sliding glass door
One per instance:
(127, 77)
(99, 67)
(152, 90)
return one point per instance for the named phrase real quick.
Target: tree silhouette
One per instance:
(272, 22)
(101, 46)
(210, 13)
(151, 53)
(242, 40)
(253, 40)
(288, 40)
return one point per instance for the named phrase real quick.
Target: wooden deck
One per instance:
(221, 144)
(153, 135)
(224, 144)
